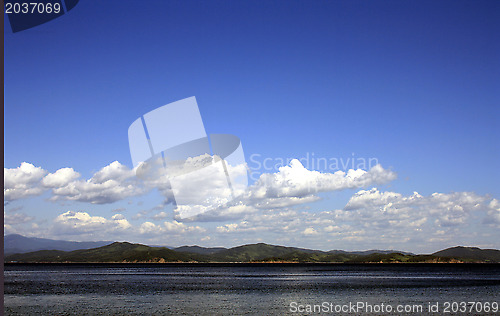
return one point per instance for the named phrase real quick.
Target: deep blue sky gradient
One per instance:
(413, 83)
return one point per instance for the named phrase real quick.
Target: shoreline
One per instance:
(250, 263)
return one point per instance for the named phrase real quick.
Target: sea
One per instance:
(252, 289)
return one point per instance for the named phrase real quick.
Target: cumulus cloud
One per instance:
(309, 231)
(370, 219)
(225, 212)
(22, 182)
(297, 181)
(493, 217)
(376, 219)
(243, 226)
(181, 228)
(227, 228)
(149, 228)
(291, 185)
(74, 223)
(450, 209)
(282, 202)
(169, 228)
(267, 208)
(112, 183)
(60, 178)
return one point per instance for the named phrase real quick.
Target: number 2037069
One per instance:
(32, 7)
(470, 307)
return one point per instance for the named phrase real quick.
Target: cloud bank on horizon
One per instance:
(274, 208)
(416, 89)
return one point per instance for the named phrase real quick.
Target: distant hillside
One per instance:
(261, 251)
(116, 252)
(199, 250)
(369, 252)
(127, 252)
(119, 252)
(19, 244)
(487, 255)
(405, 258)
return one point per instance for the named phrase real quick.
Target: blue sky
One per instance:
(413, 84)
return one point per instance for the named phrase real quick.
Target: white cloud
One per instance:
(244, 226)
(376, 219)
(371, 219)
(229, 212)
(115, 171)
(389, 202)
(112, 183)
(281, 202)
(75, 223)
(267, 210)
(291, 185)
(450, 209)
(160, 216)
(227, 228)
(60, 178)
(148, 228)
(297, 181)
(16, 218)
(493, 217)
(181, 228)
(120, 221)
(169, 228)
(309, 231)
(22, 182)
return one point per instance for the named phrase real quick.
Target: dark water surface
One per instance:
(248, 289)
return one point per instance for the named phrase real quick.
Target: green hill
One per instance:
(259, 252)
(303, 257)
(116, 252)
(486, 255)
(405, 258)
(127, 252)
(199, 250)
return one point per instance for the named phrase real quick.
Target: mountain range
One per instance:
(129, 252)
(15, 243)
